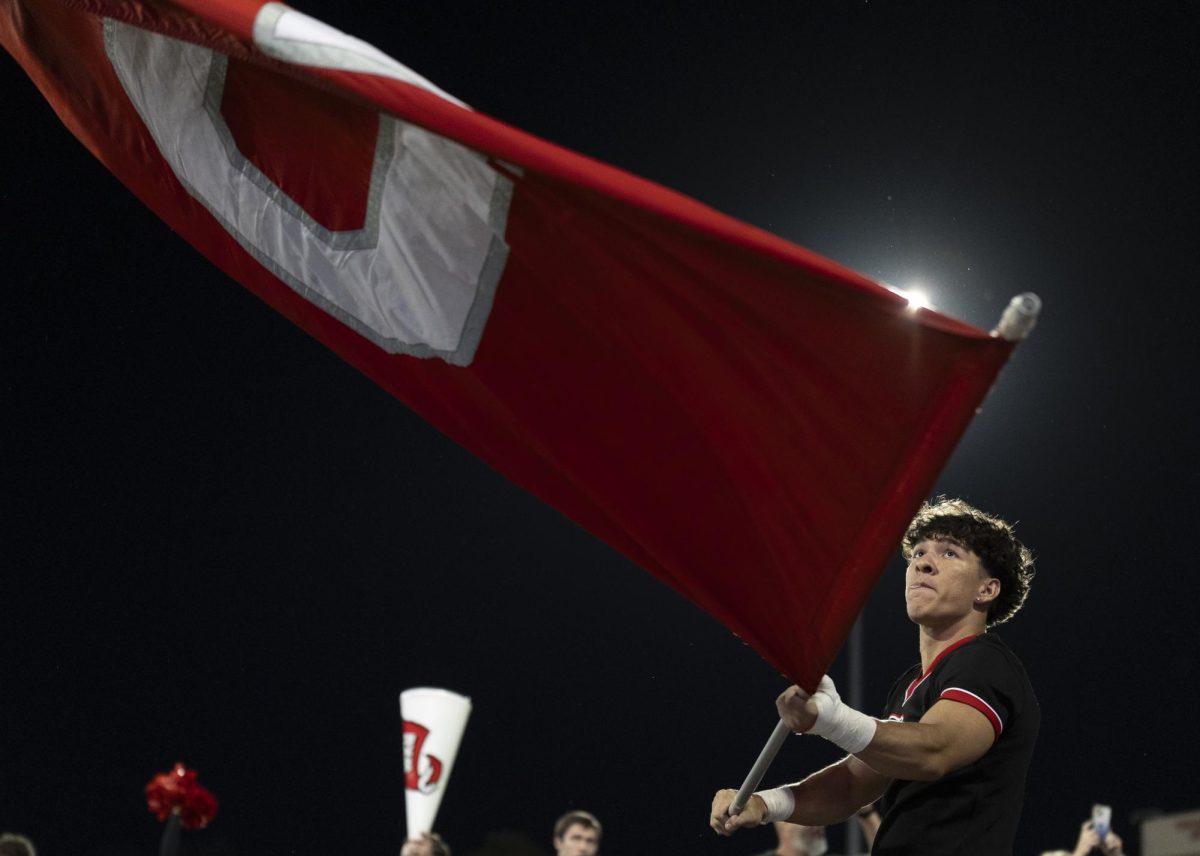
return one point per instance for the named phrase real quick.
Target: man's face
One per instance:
(578, 840)
(942, 582)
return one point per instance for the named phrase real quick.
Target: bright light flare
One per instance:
(915, 294)
(917, 299)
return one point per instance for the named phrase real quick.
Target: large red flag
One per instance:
(749, 422)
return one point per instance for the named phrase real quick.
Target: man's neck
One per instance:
(935, 640)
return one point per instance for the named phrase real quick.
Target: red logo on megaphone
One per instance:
(422, 771)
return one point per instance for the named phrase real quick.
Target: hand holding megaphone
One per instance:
(434, 721)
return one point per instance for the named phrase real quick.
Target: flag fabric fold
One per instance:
(749, 422)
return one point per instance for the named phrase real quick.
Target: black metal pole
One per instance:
(169, 845)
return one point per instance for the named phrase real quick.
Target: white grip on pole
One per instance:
(1019, 318)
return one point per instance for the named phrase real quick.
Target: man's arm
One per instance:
(949, 736)
(826, 797)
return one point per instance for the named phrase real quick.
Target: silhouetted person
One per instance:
(577, 833)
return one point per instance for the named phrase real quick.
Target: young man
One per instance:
(951, 757)
(577, 833)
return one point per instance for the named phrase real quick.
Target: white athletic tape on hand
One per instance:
(839, 723)
(780, 803)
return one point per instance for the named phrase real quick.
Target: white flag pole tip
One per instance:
(1019, 318)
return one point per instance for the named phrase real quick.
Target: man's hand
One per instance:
(1112, 845)
(723, 823)
(796, 709)
(1088, 839)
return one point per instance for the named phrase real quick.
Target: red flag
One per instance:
(749, 422)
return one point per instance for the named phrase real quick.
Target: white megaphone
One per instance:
(433, 721)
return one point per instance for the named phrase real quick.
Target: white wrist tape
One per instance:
(780, 802)
(838, 723)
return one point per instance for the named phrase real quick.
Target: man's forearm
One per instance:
(833, 794)
(950, 735)
(909, 750)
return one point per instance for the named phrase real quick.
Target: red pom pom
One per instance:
(178, 792)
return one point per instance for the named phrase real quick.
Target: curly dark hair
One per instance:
(990, 538)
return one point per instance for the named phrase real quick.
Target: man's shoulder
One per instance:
(987, 649)
(986, 662)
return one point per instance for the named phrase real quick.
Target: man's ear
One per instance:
(988, 590)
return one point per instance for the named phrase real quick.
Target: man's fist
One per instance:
(796, 709)
(723, 823)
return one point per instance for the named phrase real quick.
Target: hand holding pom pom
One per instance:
(176, 797)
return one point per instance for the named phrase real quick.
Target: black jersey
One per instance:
(975, 809)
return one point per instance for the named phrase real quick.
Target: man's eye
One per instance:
(952, 553)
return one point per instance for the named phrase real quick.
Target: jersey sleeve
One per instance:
(981, 677)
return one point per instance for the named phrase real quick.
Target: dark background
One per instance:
(222, 545)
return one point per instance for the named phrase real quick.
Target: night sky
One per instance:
(223, 545)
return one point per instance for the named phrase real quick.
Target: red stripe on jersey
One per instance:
(969, 698)
(921, 679)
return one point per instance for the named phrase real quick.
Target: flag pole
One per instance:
(765, 757)
(1019, 317)
(854, 839)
